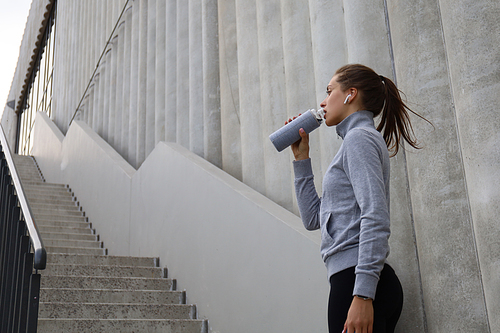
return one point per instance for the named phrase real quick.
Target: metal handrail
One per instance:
(40, 255)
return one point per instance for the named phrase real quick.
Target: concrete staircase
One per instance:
(85, 290)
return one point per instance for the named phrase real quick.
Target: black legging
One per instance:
(387, 305)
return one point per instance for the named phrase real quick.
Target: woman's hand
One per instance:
(300, 148)
(359, 317)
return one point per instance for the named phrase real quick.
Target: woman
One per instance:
(353, 212)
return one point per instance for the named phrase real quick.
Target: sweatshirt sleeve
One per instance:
(307, 197)
(363, 165)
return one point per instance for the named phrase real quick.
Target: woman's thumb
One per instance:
(303, 134)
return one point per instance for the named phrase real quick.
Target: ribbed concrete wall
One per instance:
(217, 77)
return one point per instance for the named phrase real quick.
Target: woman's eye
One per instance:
(328, 92)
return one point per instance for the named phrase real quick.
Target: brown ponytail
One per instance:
(381, 96)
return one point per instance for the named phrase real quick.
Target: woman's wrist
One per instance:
(301, 157)
(364, 298)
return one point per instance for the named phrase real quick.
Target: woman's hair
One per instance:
(381, 96)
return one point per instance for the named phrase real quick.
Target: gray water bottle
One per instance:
(288, 134)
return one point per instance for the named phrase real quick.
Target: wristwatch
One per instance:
(363, 297)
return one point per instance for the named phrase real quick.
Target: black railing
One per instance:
(21, 251)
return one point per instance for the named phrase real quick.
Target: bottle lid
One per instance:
(319, 114)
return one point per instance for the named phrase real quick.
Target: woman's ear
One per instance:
(353, 92)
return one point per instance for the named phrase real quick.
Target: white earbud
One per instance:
(347, 99)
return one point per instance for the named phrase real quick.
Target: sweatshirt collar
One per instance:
(357, 119)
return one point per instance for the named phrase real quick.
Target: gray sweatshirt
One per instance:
(353, 212)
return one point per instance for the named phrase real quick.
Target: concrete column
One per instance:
(182, 74)
(472, 35)
(97, 30)
(366, 35)
(108, 74)
(102, 96)
(91, 61)
(143, 82)
(404, 252)
(77, 62)
(86, 50)
(171, 72)
(112, 90)
(134, 86)
(59, 88)
(57, 93)
(83, 110)
(102, 70)
(127, 70)
(73, 84)
(196, 83)
(299, 71)
(211, 84)
(120, 66)
(96, 109)
(440, 205)
(90, 108)
(151, 79)
(70, 91)
(273, 101)
(229, 89)
(330, 53)
(109, 20)
(252, 155)
(87, 76)
(80, 59)
(160, 95)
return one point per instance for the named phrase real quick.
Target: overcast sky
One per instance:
(13, 15)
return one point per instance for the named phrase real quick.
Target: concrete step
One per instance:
(70, 212)
(58, 211)
(80, 259)
(65, 227)
(70, 249)
(122, 325)
(36, 191)
(72, 243)
(61, 218)
(30, 179)
(55, 205)
(73, 236)
(26, 169)
(116, 296)
(100, 270)
(37, 186)
(25, 164)
(116, 311)
(30, 176)
(48, 197)
(66, 224)
(39, 193)
(56, 195)
(99, 282)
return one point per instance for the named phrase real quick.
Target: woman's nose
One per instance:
(323, 104)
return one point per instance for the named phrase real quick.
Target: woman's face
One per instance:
(333, 104)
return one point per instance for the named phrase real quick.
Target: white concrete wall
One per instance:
(247, 263)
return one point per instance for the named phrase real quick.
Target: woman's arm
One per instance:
(305, 190)
(366, 163)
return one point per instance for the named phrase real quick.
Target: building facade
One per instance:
(216, 77)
